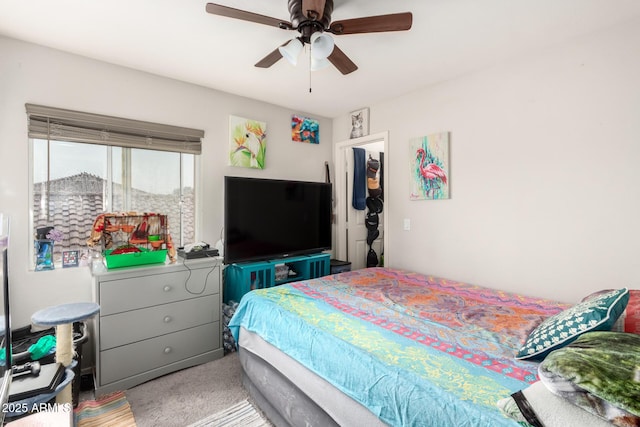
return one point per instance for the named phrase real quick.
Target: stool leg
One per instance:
(64, 355)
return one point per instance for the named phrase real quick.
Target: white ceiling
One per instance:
(178, 39)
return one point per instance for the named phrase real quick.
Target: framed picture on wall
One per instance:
(247, 142)
(70, 259)
(359, 123)
(304, 129)
(429, 166)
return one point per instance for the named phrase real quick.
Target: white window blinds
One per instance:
(76, 126)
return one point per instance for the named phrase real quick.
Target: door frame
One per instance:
(340, 197)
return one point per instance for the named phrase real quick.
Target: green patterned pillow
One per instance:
(597, 373)
(596, 314)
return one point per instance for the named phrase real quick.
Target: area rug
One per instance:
(111, 410)
(242, 414)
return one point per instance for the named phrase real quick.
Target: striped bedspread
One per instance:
(416, 350)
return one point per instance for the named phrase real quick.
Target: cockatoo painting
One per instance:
(247, 142)
(429, 164)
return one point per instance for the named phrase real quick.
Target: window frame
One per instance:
(112, 132)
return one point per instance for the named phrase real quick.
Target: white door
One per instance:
(356, 251)
(357, 247)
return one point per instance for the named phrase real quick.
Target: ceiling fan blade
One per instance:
(373, 24)
(243, 15)
(270, 59)
(341, 61)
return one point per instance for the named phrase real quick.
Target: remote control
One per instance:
(29, 368)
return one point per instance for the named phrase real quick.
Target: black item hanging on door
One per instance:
(375, 205)
(373, 184)
(372, 258)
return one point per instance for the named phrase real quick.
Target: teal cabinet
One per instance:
(242, 278)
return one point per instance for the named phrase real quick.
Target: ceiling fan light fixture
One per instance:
(318, 63)
(291, 51)
(322, 45)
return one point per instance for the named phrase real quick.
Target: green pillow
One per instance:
(596, 314)
(597, 372)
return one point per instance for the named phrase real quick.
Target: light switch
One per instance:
(407, 224)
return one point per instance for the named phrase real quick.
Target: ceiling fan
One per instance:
(312, 18)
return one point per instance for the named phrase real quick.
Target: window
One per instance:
(74, 181)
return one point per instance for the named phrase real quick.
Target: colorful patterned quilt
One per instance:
(414, 349)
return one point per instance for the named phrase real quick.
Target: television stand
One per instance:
(241, 278)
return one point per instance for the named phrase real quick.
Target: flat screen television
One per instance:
(270, 218)
(5, 318)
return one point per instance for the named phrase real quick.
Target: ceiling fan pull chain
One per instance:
(309, 69)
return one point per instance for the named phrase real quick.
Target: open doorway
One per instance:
(349, 245)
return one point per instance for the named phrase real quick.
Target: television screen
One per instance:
(267, 218)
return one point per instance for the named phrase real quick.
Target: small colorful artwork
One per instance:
(429, 163)
(304, 129)
(247, 142)
(70, 259)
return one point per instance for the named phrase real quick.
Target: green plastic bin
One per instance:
(135, 258)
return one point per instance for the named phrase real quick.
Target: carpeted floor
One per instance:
(188, 396)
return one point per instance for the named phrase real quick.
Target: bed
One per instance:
(383, 346)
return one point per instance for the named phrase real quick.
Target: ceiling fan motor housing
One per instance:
(308, 25)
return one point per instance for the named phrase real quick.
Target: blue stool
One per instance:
(62, 317)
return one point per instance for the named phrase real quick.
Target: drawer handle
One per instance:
(167, 319)
(167, 350)
(166, 288)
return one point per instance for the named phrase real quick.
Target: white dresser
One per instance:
(154, 320)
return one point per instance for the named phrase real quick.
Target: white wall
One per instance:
(33, 74)
(544, 155)
(545, 171)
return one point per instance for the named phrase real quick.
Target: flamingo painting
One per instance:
(430, 167)
(248, 142)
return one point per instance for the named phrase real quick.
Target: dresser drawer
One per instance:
(123, 362)
(132, 293)
(131, 326)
